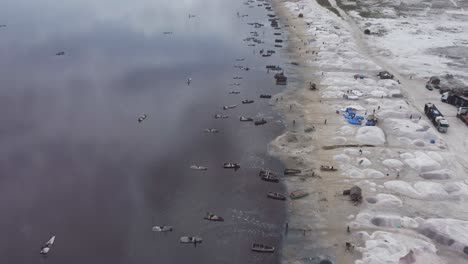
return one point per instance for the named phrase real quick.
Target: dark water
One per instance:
(75, 163)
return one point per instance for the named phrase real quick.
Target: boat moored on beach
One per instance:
(228, 165)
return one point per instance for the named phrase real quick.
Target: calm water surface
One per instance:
(75, 163)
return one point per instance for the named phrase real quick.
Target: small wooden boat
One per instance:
(46, 247)
(327, 168)
(142, 118)
(237, 78)
(266, 55)
(162, 229)
(228, 165)
(61, 53)
(292, 171)
(212, 217)
(217, 116)
(270, 178)
(298, 194)
(276, 196)
(196, 167)
(234, 92)
(234, 84)
(265, 96)
(192, 240)
(240, 59)
(246, 119)
(278, 46)
(226, 107)
(262, 248)
(211, 130)
(247, 101)
(265, 173)
(260, 122)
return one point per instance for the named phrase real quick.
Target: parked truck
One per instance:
(462, 113)
(436, 117)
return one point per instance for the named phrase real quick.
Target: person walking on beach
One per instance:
(411, 117)
(360, 152)
(348, 230)
(378, 108)
(325, 121)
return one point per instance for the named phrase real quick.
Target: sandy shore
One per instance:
(412, 177)
(322, 215)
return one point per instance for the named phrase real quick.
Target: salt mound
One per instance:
(346, 131)
(371, 135)
(370, 173)
(340, 140)
(437, 175)
(419, 143)
(384, 248)
(429, 190)
(393, 163)
(342, 158)
(385, 200)
(449, 232)
(406, 155)
(422, 162)
(364, 162)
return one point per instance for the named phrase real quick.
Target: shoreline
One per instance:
(323, 242)
(399, 218)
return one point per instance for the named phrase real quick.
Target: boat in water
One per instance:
(234, 92)
(162, 229)
(292, 171)
(247, 101)
(265, 96)
(211, 130)
(212, 217)
(191, 240)
(218, 116)
(260, 122)
(246, 119)
(262, 248)
(226, 107)
(46, 247)
(228, 165)
(276, 196)
(270, 178)
(196, 167)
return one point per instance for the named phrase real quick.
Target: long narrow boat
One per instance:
(187, 239)
(298, 194)
(262, 248)
(228, 165)
(162, 229)
(270, 178)
(196, 167)
(212, 217)
(276, 196)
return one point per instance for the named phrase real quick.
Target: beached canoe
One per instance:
(247, 101)
(262, 248)
(276, 196)
(291, 171)
(298, 194)
(218, 116)
(211, 130)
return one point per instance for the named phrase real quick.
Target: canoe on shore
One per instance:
(292, 171)
(298, 194)
(228, 165)
(260, 122)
